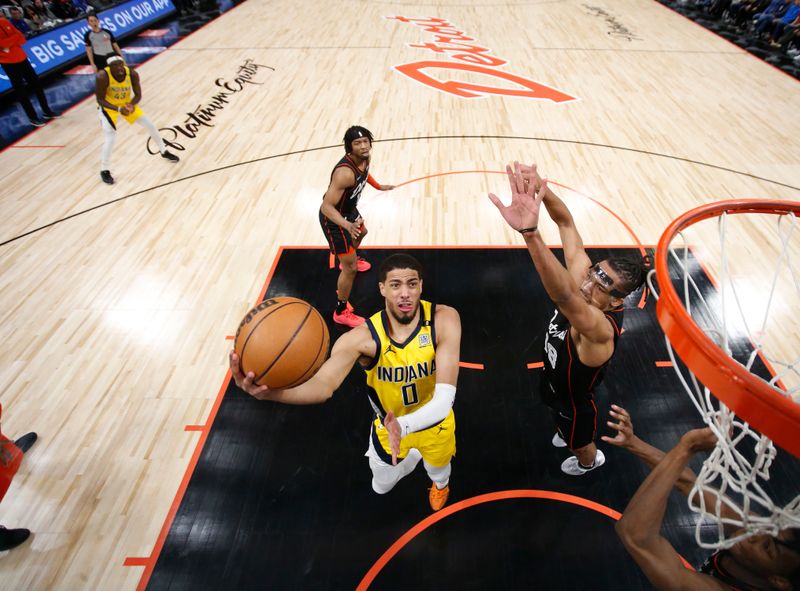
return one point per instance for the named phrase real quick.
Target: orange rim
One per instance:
(747, 395)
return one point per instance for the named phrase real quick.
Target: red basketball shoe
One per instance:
(362, 265)
(348, 318)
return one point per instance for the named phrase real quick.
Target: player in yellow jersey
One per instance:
(118, 93)
(410, 352)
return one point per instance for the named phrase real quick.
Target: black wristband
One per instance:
(526, 230)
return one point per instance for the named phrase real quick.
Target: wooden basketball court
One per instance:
(119, 301)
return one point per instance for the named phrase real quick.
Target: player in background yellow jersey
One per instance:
(410, 352)
(118, 92)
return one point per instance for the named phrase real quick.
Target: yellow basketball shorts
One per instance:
(436, 444)
(113, 116)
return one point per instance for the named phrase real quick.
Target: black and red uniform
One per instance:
(713, 566)
(339, 239)
(567, 385)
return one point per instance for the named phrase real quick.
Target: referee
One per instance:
(100, 44)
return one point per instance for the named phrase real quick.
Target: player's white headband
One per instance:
(116, 58)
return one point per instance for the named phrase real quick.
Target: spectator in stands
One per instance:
(33, 18)
(18, 20)
(718, 7)
(790, 40)
(81, 6)
(742, 12)
(44, 12)
(9, 3)
(20, 73)
(99, 4)
(763, 20)
(100, 43)
(787, 19)
(64, 9)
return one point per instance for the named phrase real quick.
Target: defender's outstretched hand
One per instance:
(530, 173)
(526, 200)
(623, 426)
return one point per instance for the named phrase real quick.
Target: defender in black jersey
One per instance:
(759, 562)
(341, 221)
(583, 333)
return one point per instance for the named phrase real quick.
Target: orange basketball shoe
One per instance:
(348, 318)
(438, 497)
(362, 265)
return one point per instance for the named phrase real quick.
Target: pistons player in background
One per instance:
(582, 335)
(341, 221)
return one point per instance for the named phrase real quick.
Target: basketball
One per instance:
(283, 341)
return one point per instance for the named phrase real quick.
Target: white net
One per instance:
(737, 277)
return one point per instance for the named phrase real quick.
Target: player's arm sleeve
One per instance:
(435, 411)
(448, 347)
(373, 182)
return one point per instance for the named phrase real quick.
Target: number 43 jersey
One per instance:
(402, 376)
(565, 372)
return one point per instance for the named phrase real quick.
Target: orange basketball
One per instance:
(283, 341)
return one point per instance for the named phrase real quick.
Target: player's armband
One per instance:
(373, 182)
(435, 411)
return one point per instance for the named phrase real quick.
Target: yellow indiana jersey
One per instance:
(402, 376)
(119, 93)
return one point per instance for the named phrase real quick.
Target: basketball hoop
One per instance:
(743, 379)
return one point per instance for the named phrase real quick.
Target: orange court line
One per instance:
(470, 365)
(229, 337)
(663, 363)
(438, 174)
(638, 243)
(384, 559)
(271, 273)
(550, 181)
(150, 562)
(535, 365)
